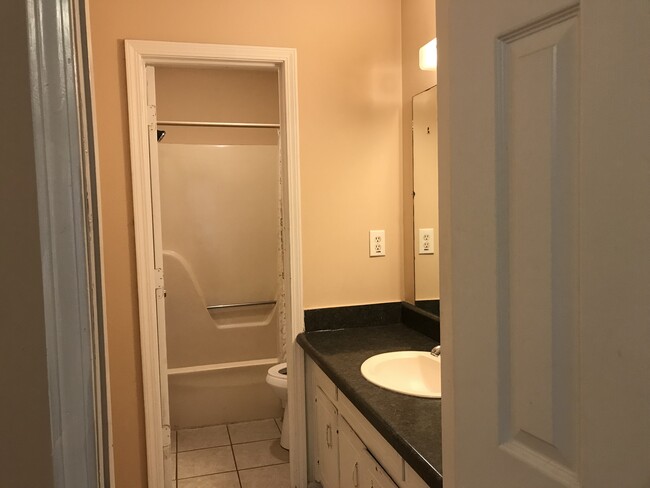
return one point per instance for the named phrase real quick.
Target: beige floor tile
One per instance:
(262, 453)
(257, 430)
(223, 480)
(268, 477)
(204, 437)
(205, 461)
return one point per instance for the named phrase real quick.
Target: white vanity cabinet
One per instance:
(345, 450)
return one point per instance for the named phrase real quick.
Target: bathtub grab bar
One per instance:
(245, 304)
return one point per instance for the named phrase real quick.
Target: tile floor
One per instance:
(242, 455)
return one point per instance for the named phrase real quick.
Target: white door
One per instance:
(545, 242)
(159, 288)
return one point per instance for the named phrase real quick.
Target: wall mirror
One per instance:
(425, 201)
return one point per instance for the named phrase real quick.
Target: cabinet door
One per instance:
(353, 467)
(378, 477)
(327, 440)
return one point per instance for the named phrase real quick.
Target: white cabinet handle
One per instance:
(355, 474)
(328, 435)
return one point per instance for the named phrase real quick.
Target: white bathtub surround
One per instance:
(219, 396)
(226, 194)
(220, 211)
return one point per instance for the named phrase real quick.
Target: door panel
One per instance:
(545, 242)
(536, 239)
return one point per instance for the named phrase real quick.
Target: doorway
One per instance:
(216, 309)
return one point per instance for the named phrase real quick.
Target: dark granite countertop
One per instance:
(410, 424)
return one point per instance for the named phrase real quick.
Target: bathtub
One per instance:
(217, 359)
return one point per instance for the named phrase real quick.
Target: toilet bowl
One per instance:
(277, 379)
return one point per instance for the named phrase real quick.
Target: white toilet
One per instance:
(277, 378)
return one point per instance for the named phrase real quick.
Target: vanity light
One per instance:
(429, 56)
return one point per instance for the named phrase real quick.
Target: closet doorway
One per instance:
(216, 203)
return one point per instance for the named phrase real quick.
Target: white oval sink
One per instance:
(414, 373)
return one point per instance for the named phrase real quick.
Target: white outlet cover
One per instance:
(425, 244)
(377, 243)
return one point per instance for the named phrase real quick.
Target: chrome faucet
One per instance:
(435, 351)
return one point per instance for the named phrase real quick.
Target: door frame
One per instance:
(67, 190)
(139, 55)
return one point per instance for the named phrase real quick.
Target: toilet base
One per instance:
(284, 439)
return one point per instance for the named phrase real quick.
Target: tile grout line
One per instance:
(206, 475)
(263, 466)
(211, 447)
(232, 450)
(258, 440)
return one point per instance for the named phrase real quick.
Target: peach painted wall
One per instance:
(418, 28)
(350, 112)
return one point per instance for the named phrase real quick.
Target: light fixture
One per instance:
(429, 56)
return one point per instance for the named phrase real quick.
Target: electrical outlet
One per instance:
(377, 243)
(426, 241)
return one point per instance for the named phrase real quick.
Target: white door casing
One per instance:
(544, 111)
(159, 287)
(141, 59)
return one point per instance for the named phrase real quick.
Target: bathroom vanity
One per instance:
(361, 435)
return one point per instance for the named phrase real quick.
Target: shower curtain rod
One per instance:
(245, 125)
